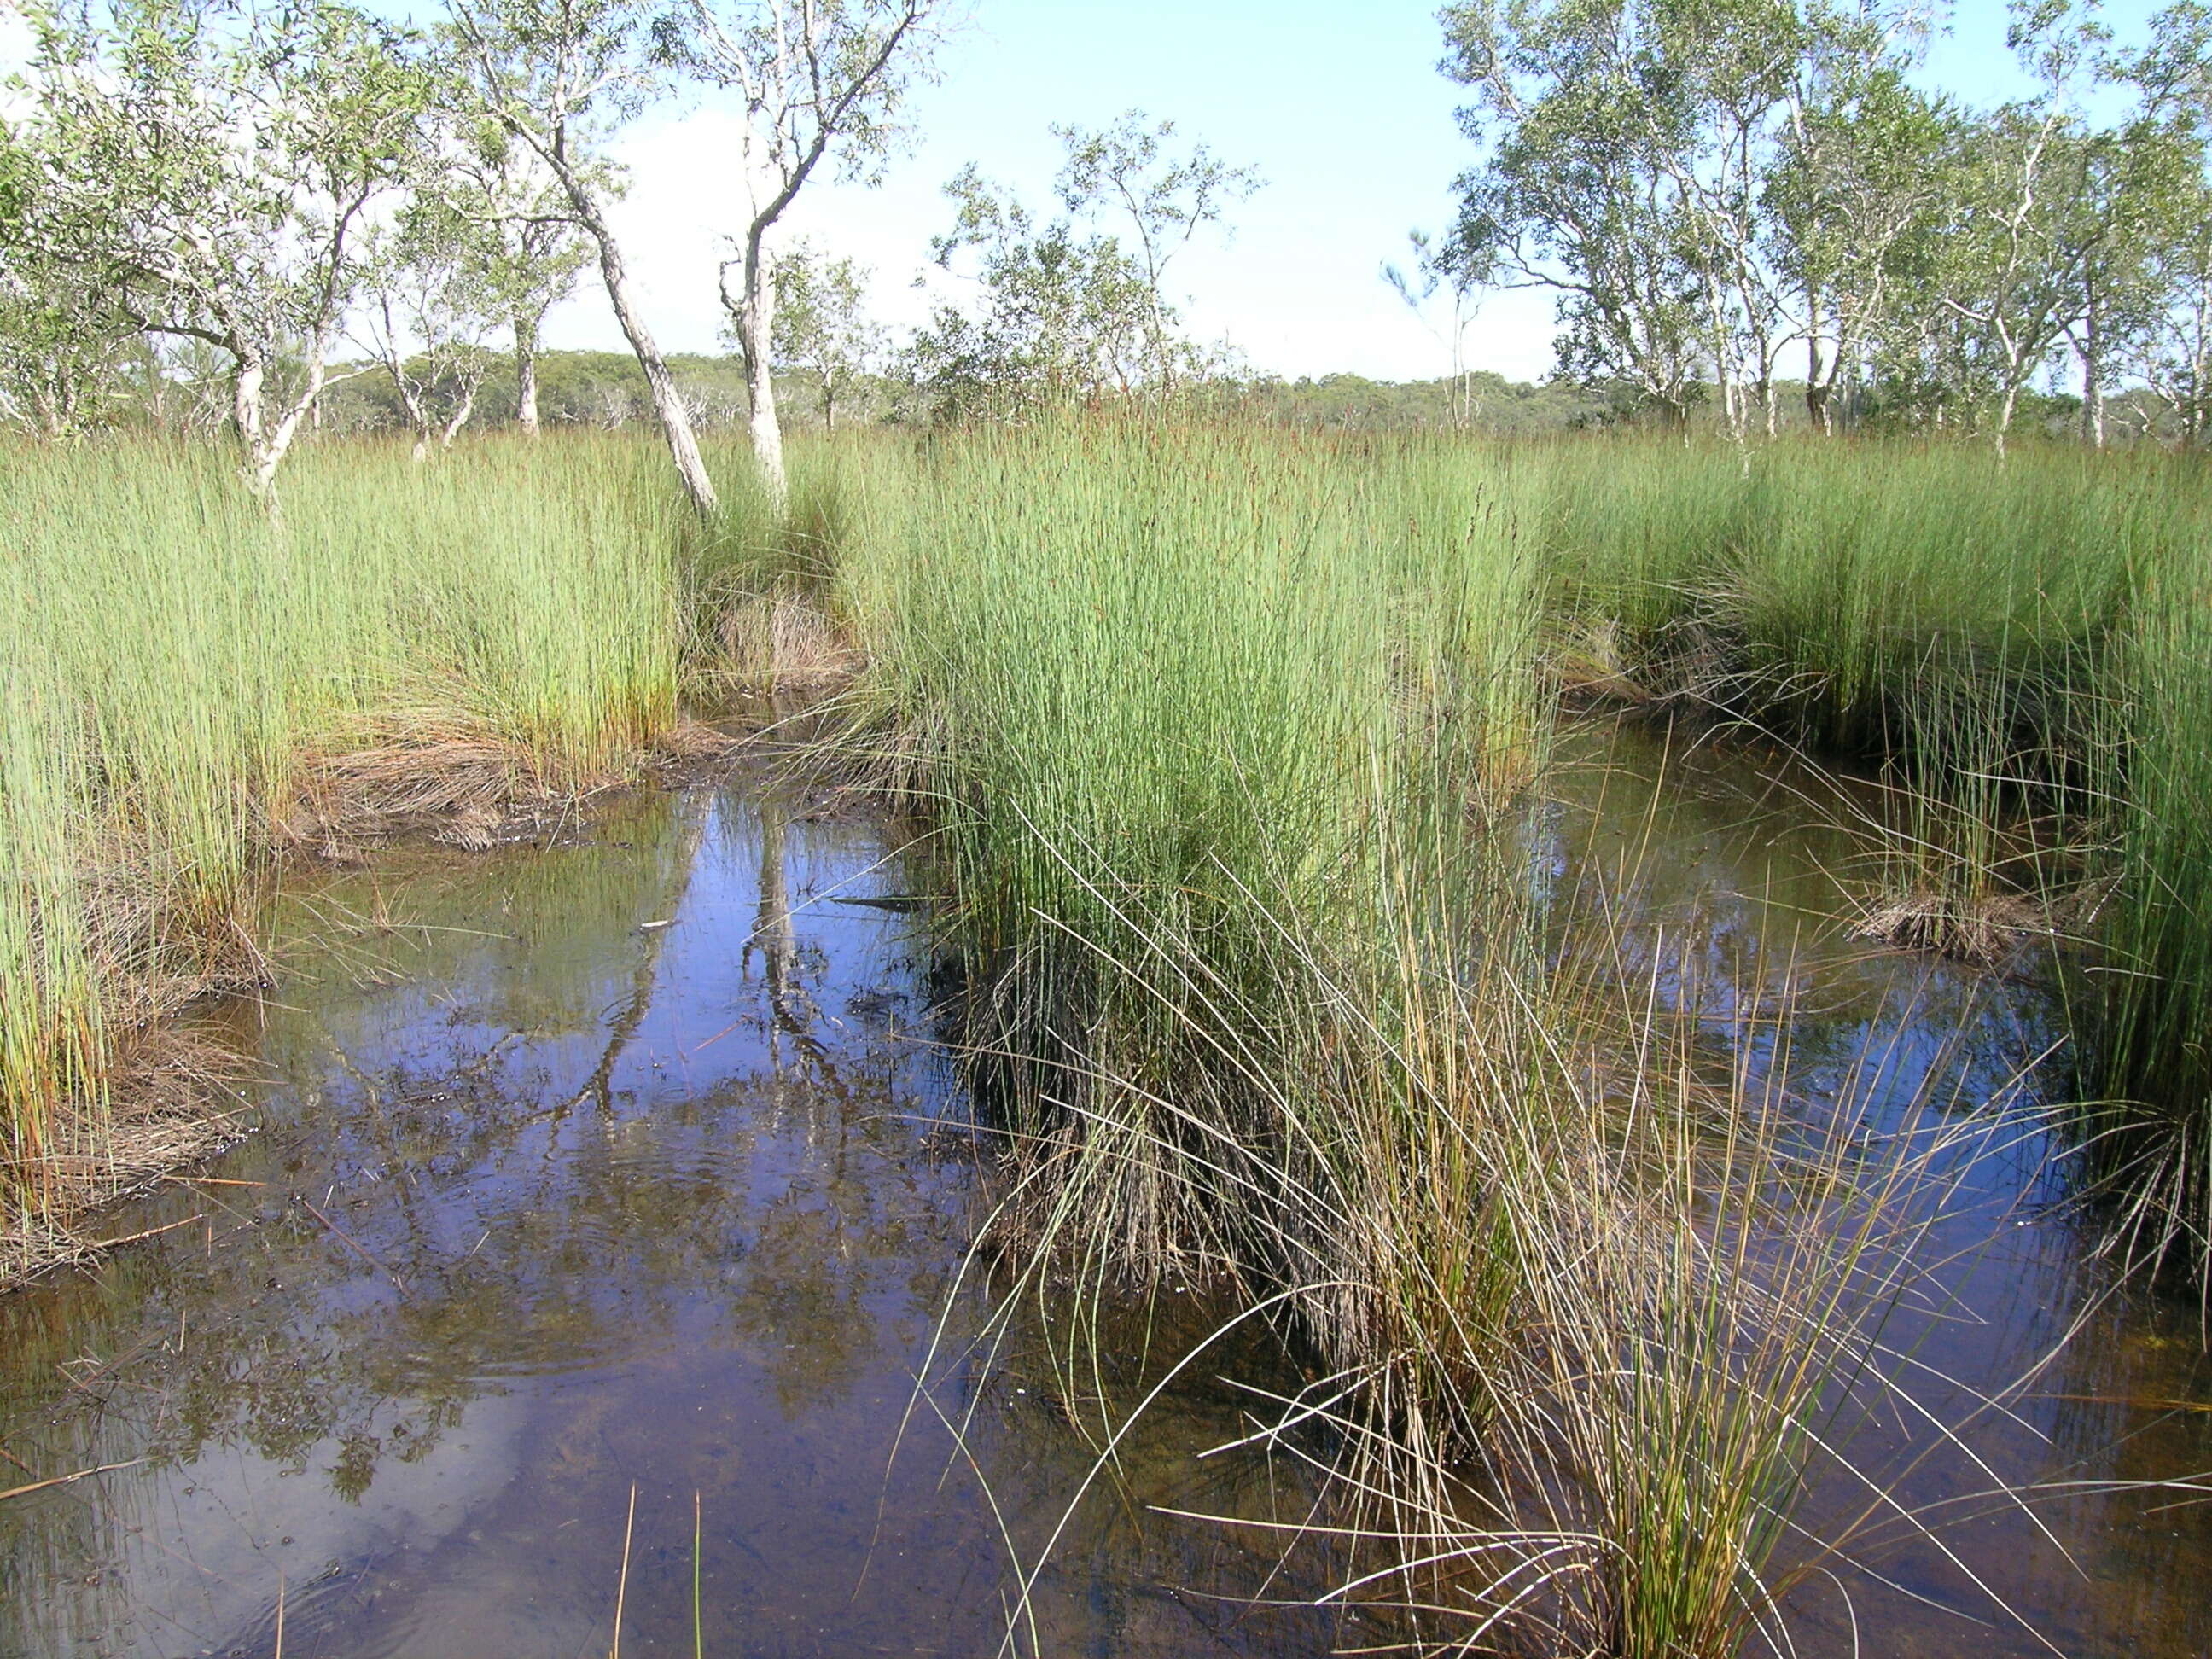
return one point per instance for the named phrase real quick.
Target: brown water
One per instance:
(628, 1165)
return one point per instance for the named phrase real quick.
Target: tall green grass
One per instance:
(2022, 650)
(172, 663)
(2147, 1064)
(1212, 736)
(1150, 685)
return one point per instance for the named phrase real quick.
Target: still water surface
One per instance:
(628, 1165)
(626, 1162)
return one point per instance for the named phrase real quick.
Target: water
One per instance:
(628, 1165)
(2026, 1363)
(625, 1163)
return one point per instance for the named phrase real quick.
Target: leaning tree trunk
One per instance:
(668, 405)
(466, 407)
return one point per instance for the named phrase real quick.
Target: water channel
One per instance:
(606, 1247)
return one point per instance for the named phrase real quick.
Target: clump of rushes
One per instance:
(1206, 730)
(176, 672)
(2149, 1004)
(1144, 675)
(1582, 1304)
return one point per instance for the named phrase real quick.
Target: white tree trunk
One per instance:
(668, 404)
(525, 374)
(756, 334)
(2092, 391)
(462, 411)
(248, 377)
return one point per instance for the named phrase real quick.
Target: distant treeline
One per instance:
(606, 389)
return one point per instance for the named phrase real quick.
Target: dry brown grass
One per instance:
(428, 770)
(1987, 930)
(783, 641)
(174, 1100)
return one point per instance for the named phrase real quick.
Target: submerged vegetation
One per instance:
(1215, 741)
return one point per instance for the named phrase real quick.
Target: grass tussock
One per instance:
(184, 688)
(1214, 740)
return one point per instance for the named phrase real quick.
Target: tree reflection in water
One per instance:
(555, 1198)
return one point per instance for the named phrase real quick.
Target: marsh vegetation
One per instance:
(1560, 1265)
(1215, 750)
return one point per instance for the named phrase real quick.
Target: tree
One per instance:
(1127, 172)
(821, 324)
(1573, 190)
(62, 334)
(2164, 244)
(813, 76)
(431, 307)
(1855, 199)
(215, 171)
(1431, 276)
(2172, 352)
(1064, 318)
(532, 248)
(1675, 171)
(557, 76)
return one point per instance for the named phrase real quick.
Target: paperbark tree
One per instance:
(63, 336)
(2169, 346)
(558, 75)
(1128, 172)
(1063, 317)
(218, 169)
(815, 79)
(1854, 200)
(532, 247)
(1573, 190)
(430, 311)
(1431, 276)
(821, 324)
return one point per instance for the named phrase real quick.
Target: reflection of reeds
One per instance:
(1583, 1310)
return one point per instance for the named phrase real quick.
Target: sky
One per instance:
(1338, 103)
(1339, 106)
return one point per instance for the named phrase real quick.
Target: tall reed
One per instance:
(1142, 675)
(169, 662)
(1213, 737)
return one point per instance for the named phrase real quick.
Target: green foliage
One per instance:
(1066, 317)
(214, 169)
(822, 326)
(1704, 186)
(169, 661)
